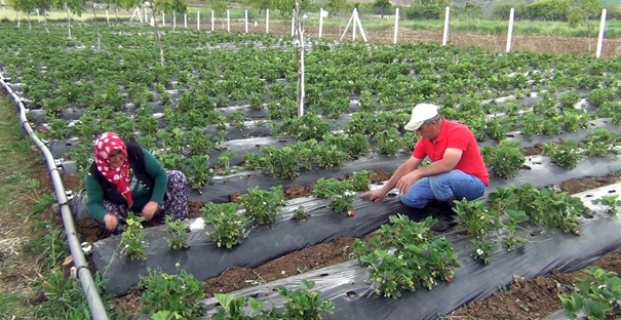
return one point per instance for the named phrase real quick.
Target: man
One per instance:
(457, 170)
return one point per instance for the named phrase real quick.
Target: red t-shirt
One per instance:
(457, 136)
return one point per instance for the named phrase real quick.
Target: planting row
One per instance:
(493, 120)
(502, 238)
(395, 75)
(335, 211)
(377, 129)
(303, 162)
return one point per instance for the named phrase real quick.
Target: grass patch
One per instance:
(33, 282)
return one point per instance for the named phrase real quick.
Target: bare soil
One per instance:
(557, 45)
(531, 299)
(336, 251)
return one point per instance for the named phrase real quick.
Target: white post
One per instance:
(198, 20)
(213, 20)
(37, 16)
(185, 20)
(267, 20)
(293, 25)
(320, 21)
(246, 20)
(353, 34)
(174, 20)
(394, 39)
(163, 19)
(364, 36)
(107, 17)
(510, 31)
(228, 20)
(146, 16)
(446, 26)
(600, 37)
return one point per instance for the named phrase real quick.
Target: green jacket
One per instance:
(153, 168)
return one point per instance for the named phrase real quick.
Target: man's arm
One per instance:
(449, 161)
(410, 165)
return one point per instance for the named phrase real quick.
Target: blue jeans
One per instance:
(453, 185)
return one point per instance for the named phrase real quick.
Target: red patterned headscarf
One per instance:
(105, 144)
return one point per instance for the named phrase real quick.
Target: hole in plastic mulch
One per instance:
(68, 144)
(510, 135)
(612, 191)
(589, 196)
(351, 294)
(324, 274)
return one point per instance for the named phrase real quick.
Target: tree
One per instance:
(45, 6)
(165, 6)
(71, 6)
(284, 6)
(218, 5)
(581, 12)
(337, 5)
(25, 6)
(117, 4)
(382, 5)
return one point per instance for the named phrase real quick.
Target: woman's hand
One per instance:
(110, 221)
(149, 210)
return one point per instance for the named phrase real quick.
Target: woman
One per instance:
(127, 177)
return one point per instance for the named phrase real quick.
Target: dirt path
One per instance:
(558, 45)
(26, 197)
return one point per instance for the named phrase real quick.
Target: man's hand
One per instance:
(375, 195)
(149, 210)
(407, 181)
(110, 221)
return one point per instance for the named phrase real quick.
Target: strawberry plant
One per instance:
(483, 249)
(132, 242)
(565, 155)
(389, 142)
(329, 156)
(360, 180)
(498, 127)
(575, 120)
(597, 295)
(610, 202)
(263, 206)
(340, 193)
(304, 304)
(409, 141)
(555, 210)
(510, 224)
(476, 217)
(179, 233)
(301, 213)
(280, 162)
(418, 259)
(224, 160)
(176, 293)
(301, 304)
(601, 142)
(240, 308)
(228, 226)
(309, 126)
(505, 159)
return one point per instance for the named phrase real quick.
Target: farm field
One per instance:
(275, 197)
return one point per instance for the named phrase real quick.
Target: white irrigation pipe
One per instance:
(98, 312)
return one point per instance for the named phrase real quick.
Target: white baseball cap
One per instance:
(421, 113)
